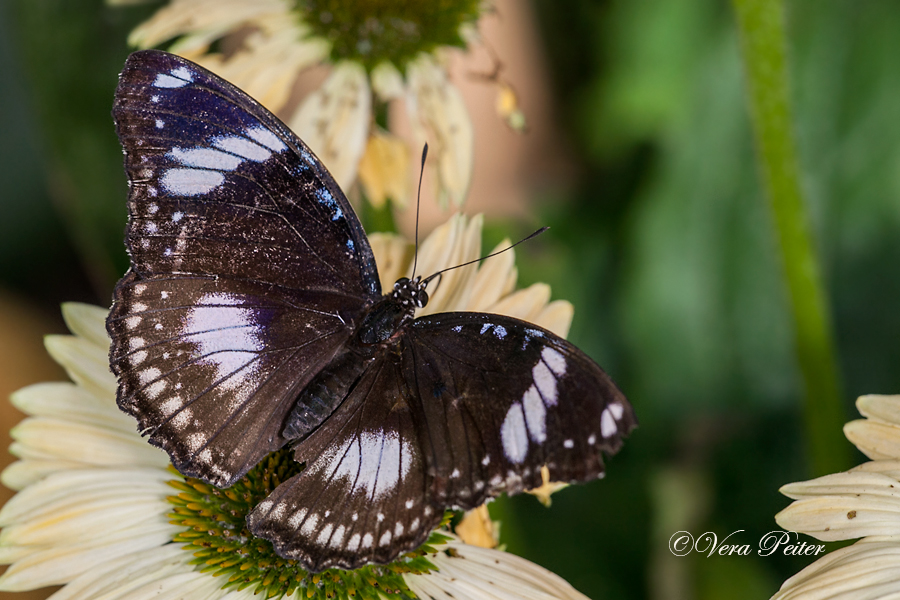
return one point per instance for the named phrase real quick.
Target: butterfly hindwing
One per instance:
(362, 496)
(210, 367)
(248, 268)
(500, 399)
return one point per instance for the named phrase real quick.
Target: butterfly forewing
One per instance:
(220, 187)
(501, 398)
(248, 268)
(363, 496)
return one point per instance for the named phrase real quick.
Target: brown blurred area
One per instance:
(23, 361)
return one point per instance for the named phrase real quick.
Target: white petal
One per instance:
(69, 402)
(455, 242)
(556, 317)
(439, 116)
(59, 564)
(876, 439)
(44, 438)
(64, 490)
(525, 304)
(85, 362)
(496, 278)
(485, 573)
(867, 569)
(87, 321)
(334, 121)
(883, 408)
(23, 473)
(119, 576)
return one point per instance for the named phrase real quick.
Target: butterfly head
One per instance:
(410, 292)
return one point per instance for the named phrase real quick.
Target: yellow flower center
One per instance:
(215, 530)
(372, 31)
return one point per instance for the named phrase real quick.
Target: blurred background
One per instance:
(640, 158)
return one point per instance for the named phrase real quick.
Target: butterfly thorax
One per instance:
(393, 311)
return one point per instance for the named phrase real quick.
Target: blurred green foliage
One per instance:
(664, 247)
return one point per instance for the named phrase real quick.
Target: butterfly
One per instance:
(252, 318)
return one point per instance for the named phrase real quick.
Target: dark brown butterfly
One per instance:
(252, 317)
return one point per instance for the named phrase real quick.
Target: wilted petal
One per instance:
(267, 65)
(439, 116)
(334, 121)
(383, 169)
(477, 529)
(387, 81)
(203, 21)
(392, 255)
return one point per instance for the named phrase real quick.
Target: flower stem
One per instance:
(763, 48)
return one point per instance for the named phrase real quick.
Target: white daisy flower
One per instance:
(100, 512)
(394, 49)
(863, 502)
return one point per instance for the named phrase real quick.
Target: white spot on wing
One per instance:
(226, 336)
(310, 525)
(535, 415)
(242, 147)
(296, 518)
(607, 424)
(337, 538)
(545, 382)
(500, 331)
(514, 435)
(353, 544)
(168, 81)
(616, 409)
(555, 360)
(569, 444)
(375, 461)
(168, 407)
(191, 182)
(266, 138)
(367, 541)
(385, 539)
(205, 158)
(324, 535)
(160, 123)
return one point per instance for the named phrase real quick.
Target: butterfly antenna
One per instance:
(418, 202)
(465, 264)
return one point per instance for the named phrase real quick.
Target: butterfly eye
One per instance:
(421, 298)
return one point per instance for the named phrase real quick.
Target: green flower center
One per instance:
(215, 530)
(371, 31)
